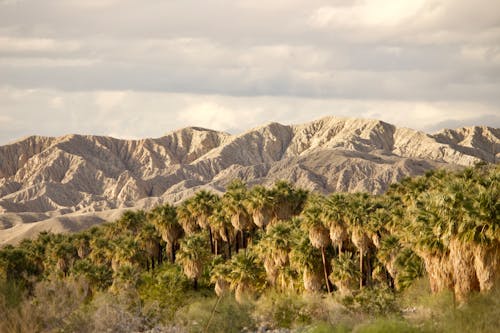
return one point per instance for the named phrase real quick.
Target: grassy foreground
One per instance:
(165, 302)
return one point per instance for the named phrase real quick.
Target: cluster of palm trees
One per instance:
(442, 224)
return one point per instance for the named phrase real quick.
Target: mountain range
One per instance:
(72, 182)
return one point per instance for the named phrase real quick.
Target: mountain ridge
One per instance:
(84, 174)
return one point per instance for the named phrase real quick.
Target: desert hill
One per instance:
(74, 181)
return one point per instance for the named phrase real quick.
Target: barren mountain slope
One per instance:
(84, 178)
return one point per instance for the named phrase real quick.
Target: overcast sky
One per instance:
(135, 69)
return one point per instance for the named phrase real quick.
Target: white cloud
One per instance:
(108, 100)
(57, 102)
(367, 14)
(14, 44)
(44, 62)
(127, 114)
(212, 115)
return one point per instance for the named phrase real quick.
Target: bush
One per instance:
(55, 306)
(276, 310)
(167, 287)
(372, 301)
(279, 310)
(215, 315)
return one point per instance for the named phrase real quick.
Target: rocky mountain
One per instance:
(74, 181)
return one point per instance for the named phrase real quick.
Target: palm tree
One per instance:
(318, 232)
(422, 218)
(273, 249)
(164, 218)
(288, 201)
(222, 229)
(455, 205)
(126, 252)
(359, 207)
(64, 254)
(246, 276)
(202, 206)
(233, 202)
(15, 264)
(430, 248)
(186, 218)
(306, 259)
(260, 204)
(130, 221)
(387, 253)
(409, 267)
(193, 255)
(484, 228)
(101, 250)
(219, 276)
(345, 272)
(148, 240)
(335, 217)
(82, 243)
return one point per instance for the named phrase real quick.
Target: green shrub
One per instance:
(372, 301)
(280, 310)
(167, 287)
(215, 315)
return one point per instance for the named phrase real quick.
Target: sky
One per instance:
(136, 69)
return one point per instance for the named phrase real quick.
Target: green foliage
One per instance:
(167, 286)
(16, 264)
(11, 293)
(215, 315)
(100, 277)
(372, 301)
(282, 310)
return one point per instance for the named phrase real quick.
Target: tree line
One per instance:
(443, 225)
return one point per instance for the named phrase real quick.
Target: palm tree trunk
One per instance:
(172, 252)
(160, 258)
(369, 269)
(228, 242)
(324, 269)
(237, 242)
(361, 269)
(211, 240)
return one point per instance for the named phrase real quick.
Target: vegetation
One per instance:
(423, 257)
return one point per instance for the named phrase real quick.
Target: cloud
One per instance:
(366, 14)
(219, 117)
(166, 64)
(15, 45)
(108, 100)
(491, 120)
(127, 114)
